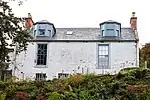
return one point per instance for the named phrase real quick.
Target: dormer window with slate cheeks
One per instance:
(110, 29)
(44, 30)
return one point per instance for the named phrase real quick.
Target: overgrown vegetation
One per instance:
(145, 55)
(128, 85)
(12, 35)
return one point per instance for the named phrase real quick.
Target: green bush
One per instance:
(130, 85)
(55, 96)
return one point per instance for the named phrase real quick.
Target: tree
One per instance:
(145, 55)
(12, 34)
(20, 2)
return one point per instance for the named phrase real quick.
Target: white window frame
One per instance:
(103, 51)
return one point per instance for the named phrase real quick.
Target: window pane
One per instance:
(41, 31)
(110, 32)
(117, 32)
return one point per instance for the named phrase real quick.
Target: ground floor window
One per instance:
(63, 75)
(40, 76)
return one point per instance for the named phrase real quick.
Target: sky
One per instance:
(88, 13)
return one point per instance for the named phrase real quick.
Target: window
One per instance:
(49, 32)
(42, 54)
(102, 32)
(34, 32)
(117, 32)
(103, 56)
(40, 76)
(110, 32)
(41, 31)
(63, 75)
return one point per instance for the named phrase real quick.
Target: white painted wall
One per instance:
(70, 56)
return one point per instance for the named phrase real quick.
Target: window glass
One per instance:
(41, 31)
(40, 76)
(42, 54)
(103, 56)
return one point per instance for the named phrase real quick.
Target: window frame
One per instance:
(118, 33)
(41, 76)
(104, 55)
(106, 34)
(46, 54)
(50, 33)
(63, 75)
(40, 32)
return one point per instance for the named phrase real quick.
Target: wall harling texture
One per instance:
(76, 57)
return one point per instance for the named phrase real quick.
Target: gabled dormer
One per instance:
(43, 30)
(110, 29)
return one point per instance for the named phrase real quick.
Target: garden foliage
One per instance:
(126, 85)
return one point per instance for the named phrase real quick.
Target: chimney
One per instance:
(28, 21)
(133, 21)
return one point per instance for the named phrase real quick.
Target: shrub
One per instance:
(21, 96)
(55, 96)
(129, 85)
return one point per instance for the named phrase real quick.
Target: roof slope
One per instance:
(90, 34)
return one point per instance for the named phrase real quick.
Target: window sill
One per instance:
(41, 66)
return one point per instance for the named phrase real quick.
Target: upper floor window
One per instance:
(42, 54)
(110, 32)
(110, 29)
(103, 56)
(41, 31)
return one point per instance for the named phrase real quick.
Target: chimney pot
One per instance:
(133, 21)
(133, 14)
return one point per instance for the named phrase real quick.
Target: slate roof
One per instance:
(91, 34)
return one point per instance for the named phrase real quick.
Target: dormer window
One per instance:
(41, 31)
(110, 29)
(44, 30)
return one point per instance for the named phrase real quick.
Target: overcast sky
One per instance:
(88, 13)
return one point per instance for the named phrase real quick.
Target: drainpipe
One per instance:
(136, 54)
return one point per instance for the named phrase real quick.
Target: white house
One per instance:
(59, 52)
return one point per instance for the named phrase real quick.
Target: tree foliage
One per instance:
(145, 55)
(12, 32)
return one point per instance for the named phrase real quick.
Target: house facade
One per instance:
(59, 52)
